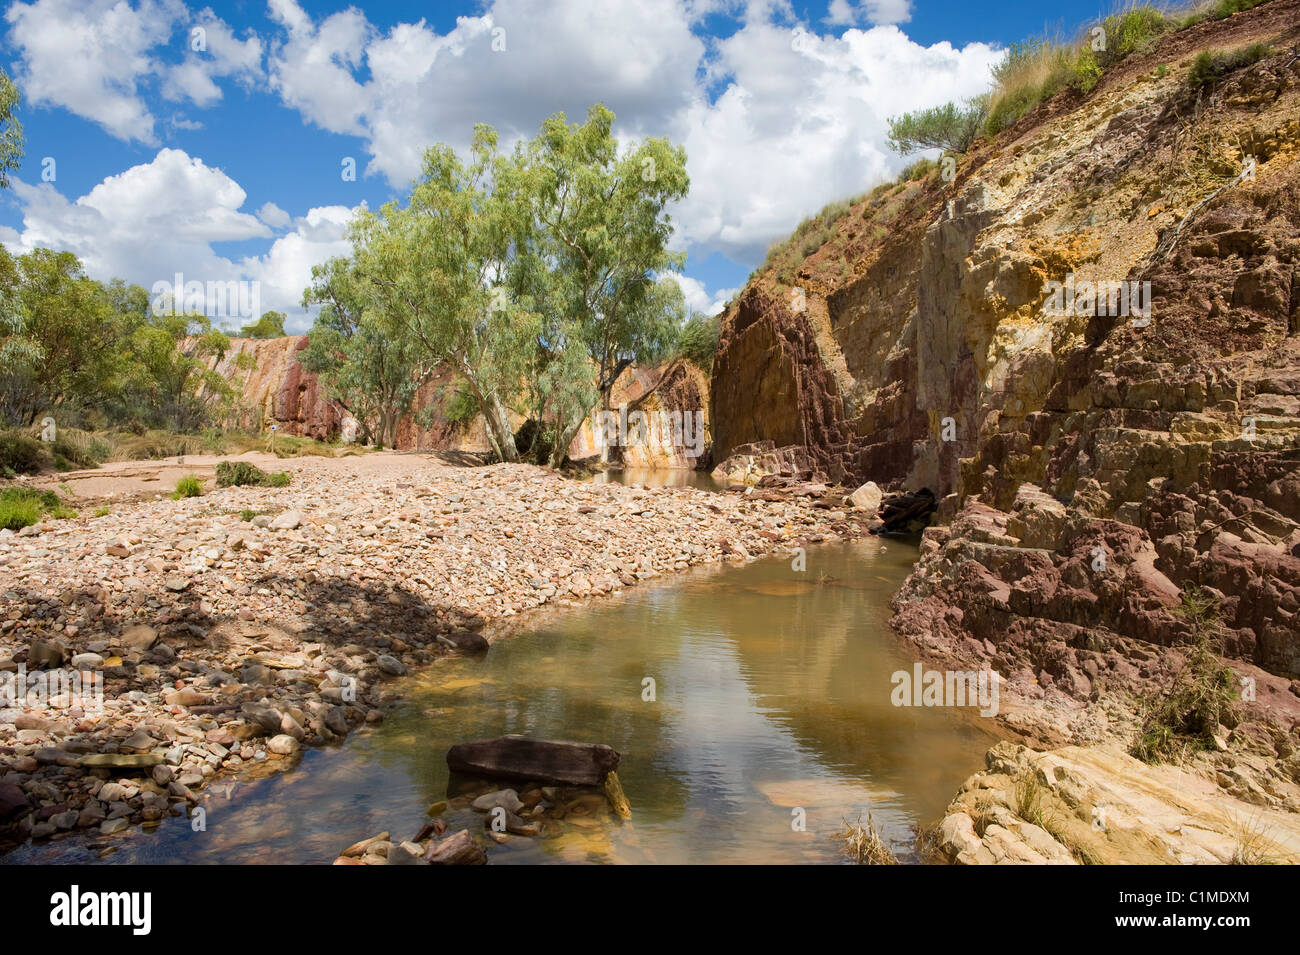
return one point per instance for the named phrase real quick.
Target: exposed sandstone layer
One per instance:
(1092, 467)
(1099, 807)
(678, 388)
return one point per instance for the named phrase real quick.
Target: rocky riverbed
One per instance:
(232, 629)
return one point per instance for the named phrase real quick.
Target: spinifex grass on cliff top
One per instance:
(1036, 70)
(1184, 718)
(1209, 67)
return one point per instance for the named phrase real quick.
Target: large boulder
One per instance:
(549, 761)
(867, 497)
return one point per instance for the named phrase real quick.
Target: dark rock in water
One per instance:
(547, 761)
(897, 511)
(465, 641)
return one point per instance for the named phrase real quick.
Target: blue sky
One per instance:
(225, 161)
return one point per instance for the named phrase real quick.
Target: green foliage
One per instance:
(102, 511)
(1034, 71)
(95, 354)
(20, 453)
(15, 515)
(1185, 716)
(80, 448)
(918, 170)
(188, 486)
(698, 341)
(270, 325)
(370, 363)
(1132, 31)
(535, 276)
(171, 382)
(23, 506)
(949, 127)
(243, 474)
(1208, 68)
(1226, 8)
(11, 130)
(460, 408)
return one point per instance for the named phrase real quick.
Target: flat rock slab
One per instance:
(121, 760)
(547, 761)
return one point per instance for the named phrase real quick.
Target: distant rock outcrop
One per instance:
(275, 390)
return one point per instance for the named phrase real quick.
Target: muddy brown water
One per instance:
(771, 702)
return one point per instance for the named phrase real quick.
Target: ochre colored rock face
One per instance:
(770, 383)
(276, 390)
(924, 346)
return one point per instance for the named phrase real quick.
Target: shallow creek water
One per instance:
(772, 692)
(659, 477)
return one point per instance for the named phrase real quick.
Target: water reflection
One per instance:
(771, 695)
(660, 477)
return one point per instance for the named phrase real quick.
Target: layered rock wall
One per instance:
(1093, 467)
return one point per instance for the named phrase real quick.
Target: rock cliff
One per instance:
(1094, 461)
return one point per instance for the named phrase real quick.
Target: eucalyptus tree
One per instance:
(371, 366)
(603, 215)
(11, 130)
(535, 275)
(444, 270)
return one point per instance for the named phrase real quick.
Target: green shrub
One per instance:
(1132, 31)
(243, 474)
(918, 170)
(1086, 71)
(188, 486)
(15, 515)
(22, 506)
(1226, 8)
(948, 127)
(461, 408)
(20, 453)
(80, 448)
(1185, 716)
(699, 339)
(1034, 71)
(1208, 68)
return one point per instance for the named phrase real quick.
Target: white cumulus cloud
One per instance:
(162, 217)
